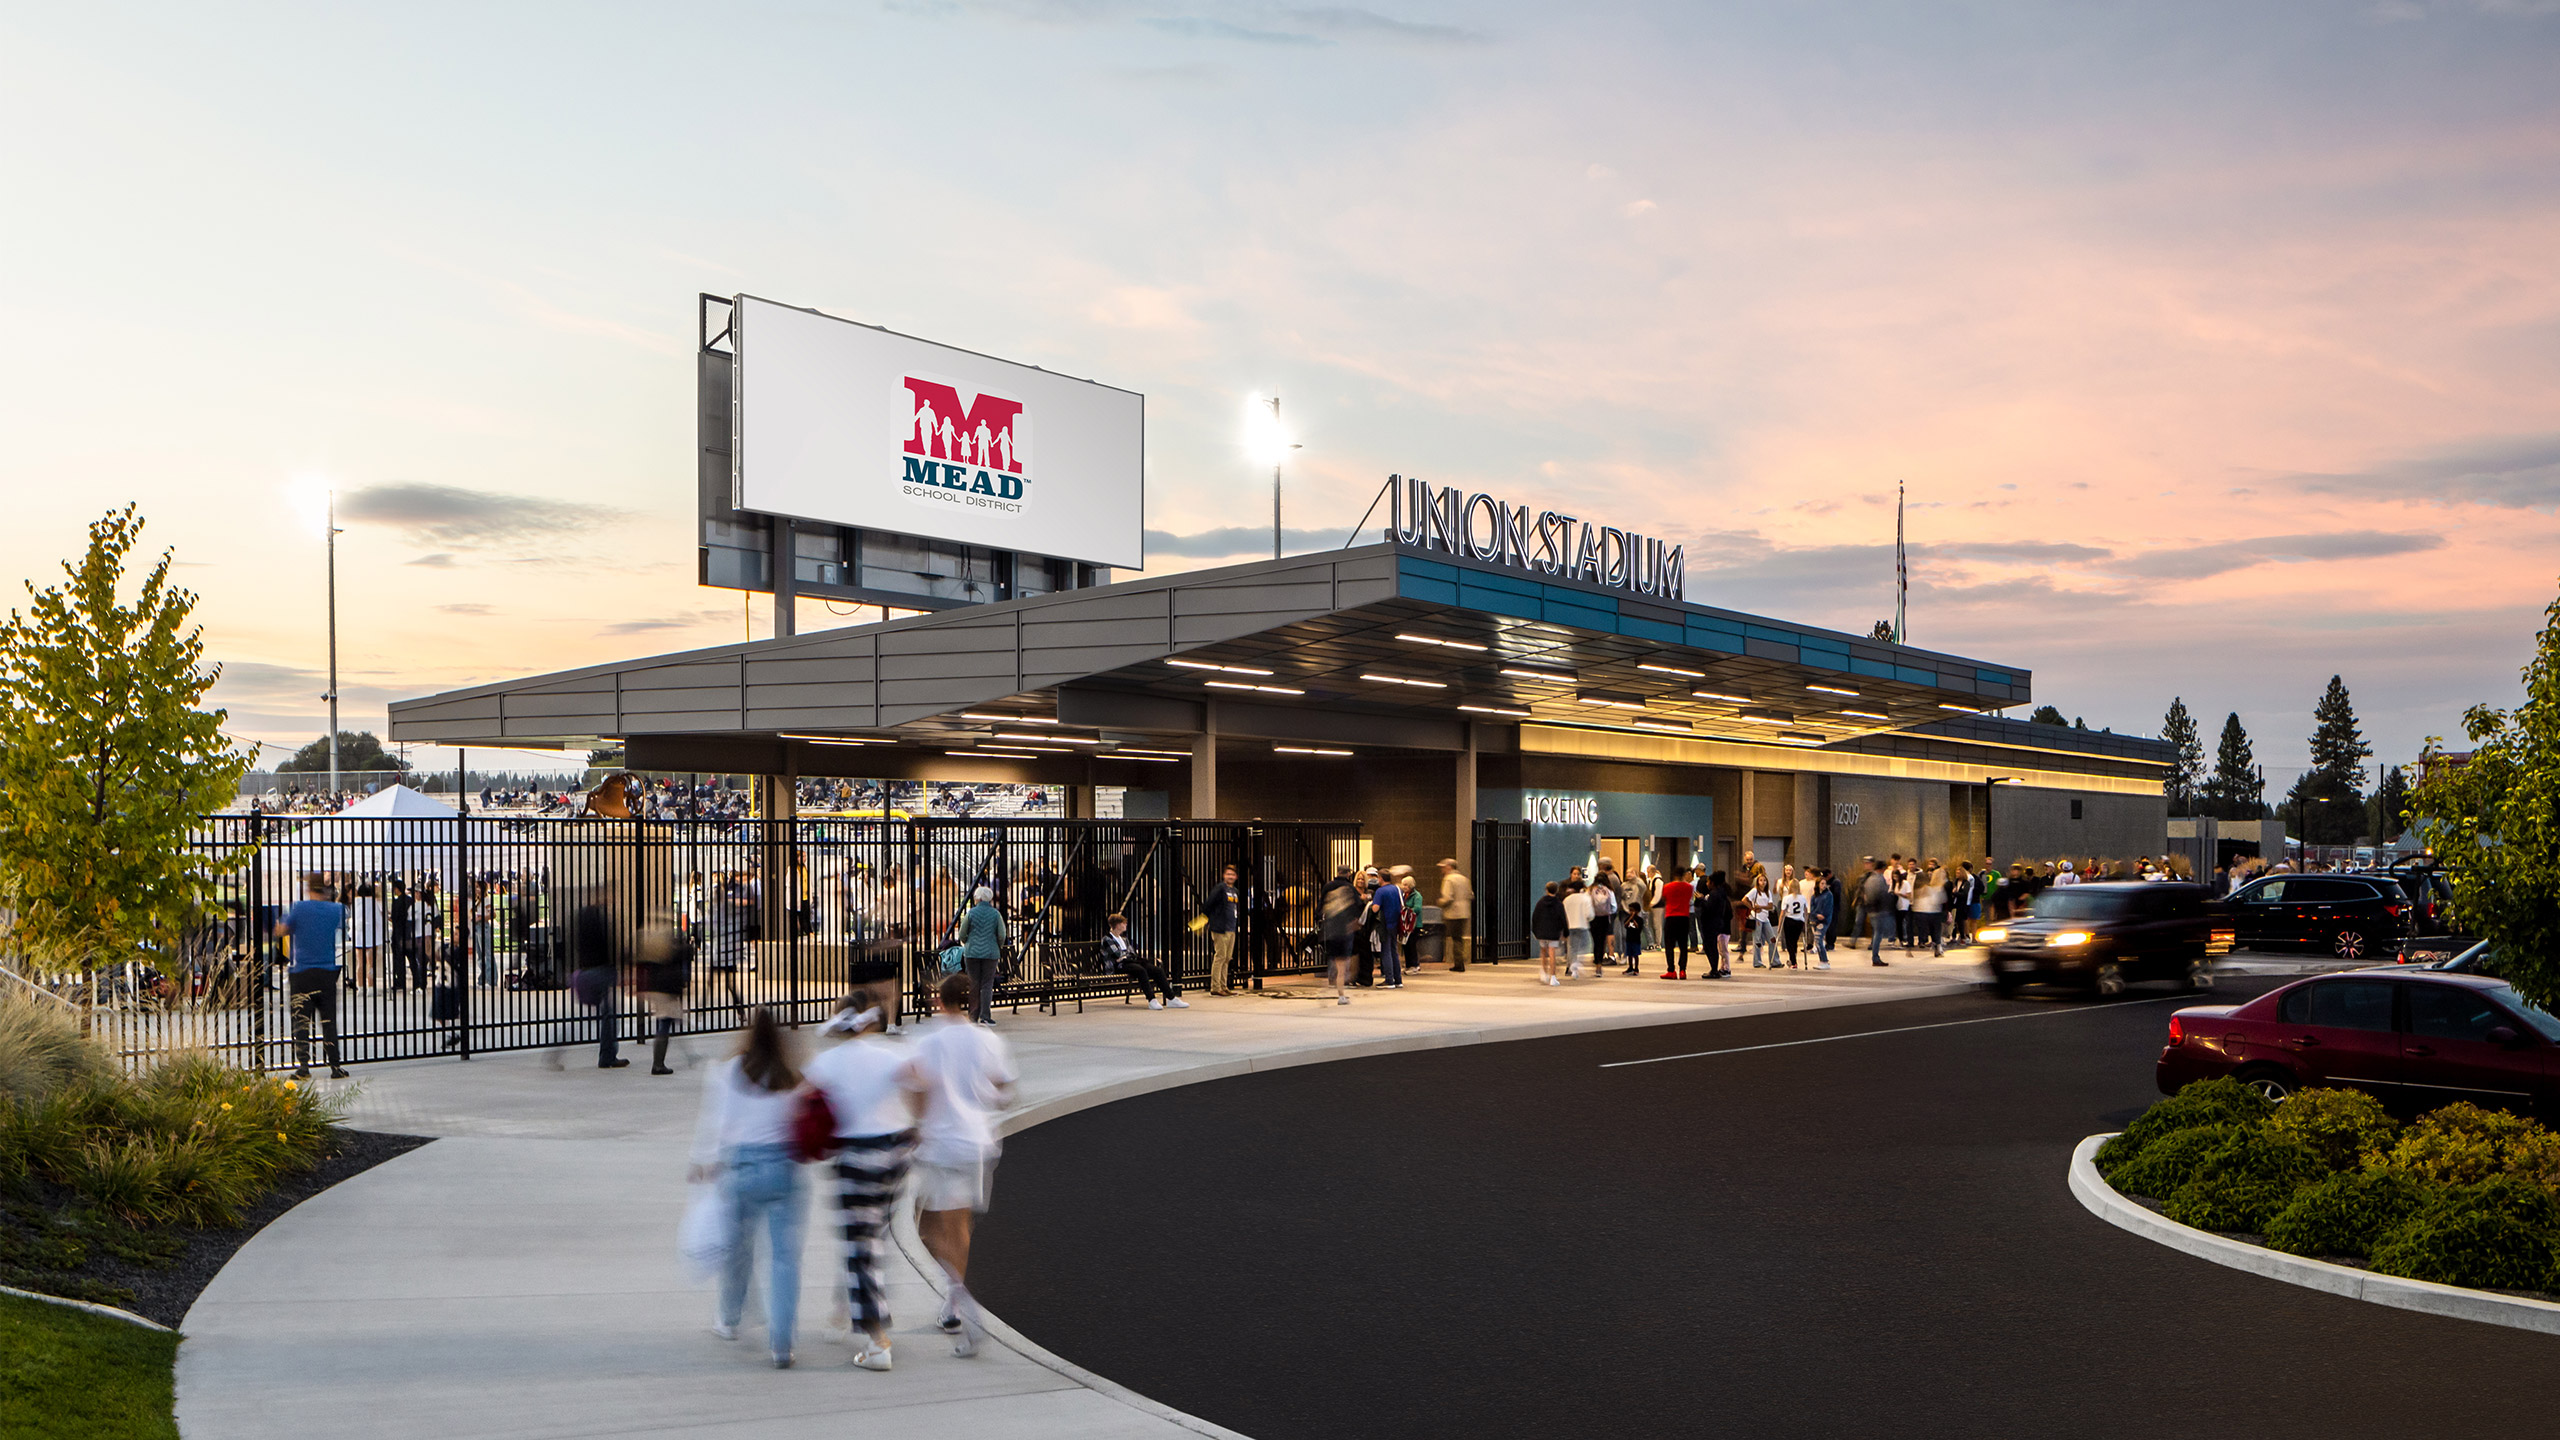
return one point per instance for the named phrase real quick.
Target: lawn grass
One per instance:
(66, 1374)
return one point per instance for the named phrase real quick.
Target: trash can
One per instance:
(1429, 936)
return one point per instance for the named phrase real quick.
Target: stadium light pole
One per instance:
(332, 696)
(1280, 447)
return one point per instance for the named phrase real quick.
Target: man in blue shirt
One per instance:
(1387, 904)
(310, 930)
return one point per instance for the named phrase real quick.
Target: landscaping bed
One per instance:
(2461, 1196)
(132, 1190)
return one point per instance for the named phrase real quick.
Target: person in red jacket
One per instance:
(1677, 894)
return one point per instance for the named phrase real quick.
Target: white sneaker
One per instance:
(965, 1344)
(1155, 1004)
(1341, 999)
(1179, 1003)
(725, 1332)
(872, 1357)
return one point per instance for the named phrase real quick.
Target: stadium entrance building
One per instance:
(1438, 698)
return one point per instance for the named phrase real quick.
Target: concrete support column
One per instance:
(1746, 831)
(1204, 764)
(1465, 806)
(786, 578)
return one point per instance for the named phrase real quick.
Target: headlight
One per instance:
(1992, 936)
(2067, 937)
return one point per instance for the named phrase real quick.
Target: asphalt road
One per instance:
(1863, 1236)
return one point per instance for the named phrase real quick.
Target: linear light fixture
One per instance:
(1154, 754)
(1959, 709)
(1027, 749)
(1765, 717)
(1553, 677)
(1239, 685)
(1670, 670)
(1304, 750)
(1831, 689)
(1680, 725)
(1801, 737)
(1867, 714)
(1719, 695)
(1609, 702)
(840, 739)
(1051, 739)
(1405, 680)
(1146, 759)
(991, 754)
(1205, 665)
(1444, 644)
(1494, 710)
(1007, 719)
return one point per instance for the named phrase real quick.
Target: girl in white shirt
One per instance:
(875, 1114)
(1764, 939)
(1577, 927)
(743, 1141)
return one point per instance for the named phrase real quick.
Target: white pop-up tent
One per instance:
(394, 831)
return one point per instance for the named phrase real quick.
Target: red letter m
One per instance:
(979, 433)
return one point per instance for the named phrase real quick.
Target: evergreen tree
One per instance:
(2047, 715)
(2329, 798)
(2186, 770)
(2238, 788)
(2338, 750)
(2390, 806)
(106, 762)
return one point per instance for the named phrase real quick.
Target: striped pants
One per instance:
(869, 1170)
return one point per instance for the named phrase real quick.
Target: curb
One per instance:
(903, 1229)
(109, 1311)
(2424, 1296)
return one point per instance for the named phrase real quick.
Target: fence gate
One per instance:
(1503, 893)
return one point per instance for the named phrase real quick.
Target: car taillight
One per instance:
(2177, 1032)
(2395, 911)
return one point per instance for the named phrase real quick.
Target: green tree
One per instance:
(2338, 750)
(2493, 820)
(2186, 770)
(106, 761)
(2390, 806)
(358, 751)
(2237, 789)
(2047, 715)
(2329, 797)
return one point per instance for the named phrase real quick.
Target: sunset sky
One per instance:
(2218, 344)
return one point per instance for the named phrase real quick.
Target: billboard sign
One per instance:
(851, 425)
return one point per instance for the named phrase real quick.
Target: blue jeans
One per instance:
(1391, 956)
(1880, 930)
(763, 1181)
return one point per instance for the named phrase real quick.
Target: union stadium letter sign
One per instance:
(1483, 528)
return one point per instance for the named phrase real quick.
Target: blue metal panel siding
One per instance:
(1438, 592)
(1876, 668)
(1652, 630)
(1911, 676)
(1769, 650)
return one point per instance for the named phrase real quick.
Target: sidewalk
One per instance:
(518, 1278)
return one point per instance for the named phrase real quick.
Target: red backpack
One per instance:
(813, 1127)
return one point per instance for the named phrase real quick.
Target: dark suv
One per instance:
(2430, 896)
(2354, 917)
(2106, 936)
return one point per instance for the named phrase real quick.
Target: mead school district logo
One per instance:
(975, 453)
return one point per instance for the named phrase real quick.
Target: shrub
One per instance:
(2204, 1103)
(2170, 1161)
(2243, 1182)
(41, 1048)
(2348, 1213)
(2340, 1126)
(2462, 1144)
(2500, 1234)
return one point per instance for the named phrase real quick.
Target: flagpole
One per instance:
(1901, 573)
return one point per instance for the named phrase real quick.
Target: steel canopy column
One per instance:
(1204, 764)
(1463, 830)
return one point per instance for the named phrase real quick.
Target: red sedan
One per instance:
(2412, 1039)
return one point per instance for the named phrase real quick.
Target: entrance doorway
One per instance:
(1671, 853)
(1624, 853)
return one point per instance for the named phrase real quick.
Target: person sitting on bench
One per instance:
(1150, 974)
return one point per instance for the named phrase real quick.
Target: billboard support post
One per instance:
(786, 577)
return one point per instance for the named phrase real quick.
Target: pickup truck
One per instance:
(2104, 937)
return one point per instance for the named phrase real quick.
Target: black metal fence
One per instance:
(474, 934)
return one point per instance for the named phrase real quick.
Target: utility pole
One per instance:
(1901, 573)
(332, 696)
